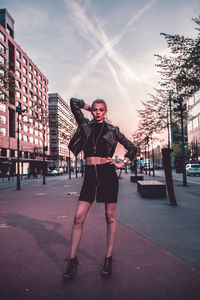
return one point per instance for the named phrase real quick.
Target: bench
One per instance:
(151, 189)
(136, 178)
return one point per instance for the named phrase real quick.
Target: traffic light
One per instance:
(180, 106)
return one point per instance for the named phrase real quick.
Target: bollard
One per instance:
(168, 175)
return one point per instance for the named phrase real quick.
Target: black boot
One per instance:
(107, 267)
(70, 272)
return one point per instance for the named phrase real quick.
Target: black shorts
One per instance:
(100, 184)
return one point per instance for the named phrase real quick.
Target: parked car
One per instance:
(59, 170)
(52, 172)
(192, 169)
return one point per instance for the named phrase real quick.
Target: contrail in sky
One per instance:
(94, 36)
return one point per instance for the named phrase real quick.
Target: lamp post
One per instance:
(181, 108)
(19, 111)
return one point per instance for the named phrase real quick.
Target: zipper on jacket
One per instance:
(95, 168)
(85, 143)
(77, 141)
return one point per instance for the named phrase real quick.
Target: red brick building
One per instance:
(32, 93)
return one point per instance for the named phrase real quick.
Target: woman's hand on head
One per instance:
(87, 107)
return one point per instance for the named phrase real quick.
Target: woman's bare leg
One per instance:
(110, 214)
(77, 228)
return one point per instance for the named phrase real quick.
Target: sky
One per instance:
(101, 48)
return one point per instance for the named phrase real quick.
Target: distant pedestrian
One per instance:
(29, 173)
(98, 139)
(35, 173)
(134, 167)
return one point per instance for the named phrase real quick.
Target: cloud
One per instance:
(92, 31)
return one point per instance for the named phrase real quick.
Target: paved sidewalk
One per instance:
(177, 229)
(35, 229)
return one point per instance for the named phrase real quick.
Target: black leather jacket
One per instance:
(112, 136)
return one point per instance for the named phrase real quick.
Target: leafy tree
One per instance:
(7, 82)
(40, 119)
(181, 70)
(180, 77)
(153, 118)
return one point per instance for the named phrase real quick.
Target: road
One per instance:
(179, 177)
(12, 183)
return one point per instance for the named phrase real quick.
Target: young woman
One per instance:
(98, 140)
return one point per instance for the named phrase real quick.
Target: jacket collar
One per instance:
(88, 130)
(109, 126)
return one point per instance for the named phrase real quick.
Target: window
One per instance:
(3, 107)
(25, 118)
(25, 128)
(25, 90)
(30, 76)
(25, 99)
(3, 131)
(18, 84)
(44, 97)
(31, 130)
(19, 95)
(36, 132)
(3, 119)
(44, 89)
(30, 85)
(35, 89)
(25, 70)
(2, 60)
(18, 53)
(25, 138)
(195, 109)
(35, 81)
(24, 60)
(40, 85)
(36, 141)
(2, 48)
(18, 64)
(40, 94)
(31, 94)
(44, 81)
(18, 74)
(41, 144)
(195, 122)
(30, 67)
(35, 72)
(35, 98)
(25, 80)
(30, 103)
(31, 139)
(190, 125)
(40, 77)
(2, 36)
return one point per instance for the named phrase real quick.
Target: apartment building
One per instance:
(62, 127)
(193, 104)
(31, 92)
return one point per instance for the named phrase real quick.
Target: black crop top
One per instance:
(96, 139)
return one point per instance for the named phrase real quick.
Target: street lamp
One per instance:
(181, 108)
(19, 110)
